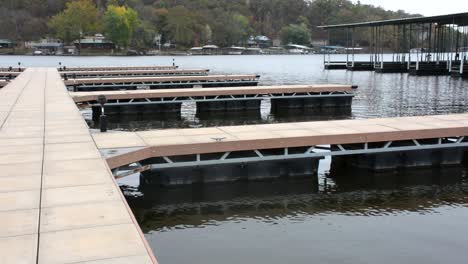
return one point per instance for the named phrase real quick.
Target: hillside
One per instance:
(196, 22)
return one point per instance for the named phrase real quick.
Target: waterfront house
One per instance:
(46, 46)
(94, 43)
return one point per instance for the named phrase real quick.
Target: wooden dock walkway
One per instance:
(134, 73)
(118, 68)
(352, 136)
(58, 200)
(174, 94)
(104, 84)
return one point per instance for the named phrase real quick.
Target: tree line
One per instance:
(187, 23)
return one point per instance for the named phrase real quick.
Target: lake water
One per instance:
(409, 216)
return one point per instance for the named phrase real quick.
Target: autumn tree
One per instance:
(79, 17)
(120, 22)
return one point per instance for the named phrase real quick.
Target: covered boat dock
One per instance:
(435, 45)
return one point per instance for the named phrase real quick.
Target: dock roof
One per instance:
(460, 19)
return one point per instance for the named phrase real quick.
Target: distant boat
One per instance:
(233, 50)
(253, 51)
(196, 51)
(297, 49)
(205, 50)
(38, 53)
(210, 47)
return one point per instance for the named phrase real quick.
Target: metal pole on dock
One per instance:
(374, 44)
(347, 47)
(102, 100)
(463, 51)
(382, 46)
(371, 44)
(352, 43)
(409, 45)
(450, 47)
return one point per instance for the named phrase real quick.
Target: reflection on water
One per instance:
(347, 192)
(337, 209)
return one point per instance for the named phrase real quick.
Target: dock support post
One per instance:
(103, 123)
(102, 100)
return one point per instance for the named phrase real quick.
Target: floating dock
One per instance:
(457, 71)
(391, 67)
(132, 73)
(117, 68)
(360, 66)
(429, 68)
(11, 69)
(134, 83)
(422, 137)
(6, 75)
(59, 202)
(335, 65)
(215, 99)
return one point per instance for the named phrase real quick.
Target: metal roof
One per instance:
(5, 41)
(460, 19)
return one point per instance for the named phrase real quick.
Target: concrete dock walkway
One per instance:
(59, 202)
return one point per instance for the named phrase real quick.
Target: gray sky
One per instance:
(427, 8)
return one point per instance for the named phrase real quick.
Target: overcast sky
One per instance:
(426, 8)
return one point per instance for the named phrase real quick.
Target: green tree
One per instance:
(119, 23)
(206, 34)
(295, 34)
(79, 17)
(182, 25)
(230, 29)
(144, 35)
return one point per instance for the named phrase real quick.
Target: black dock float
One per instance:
(391, 67)
(429, 68)
(361, 66)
